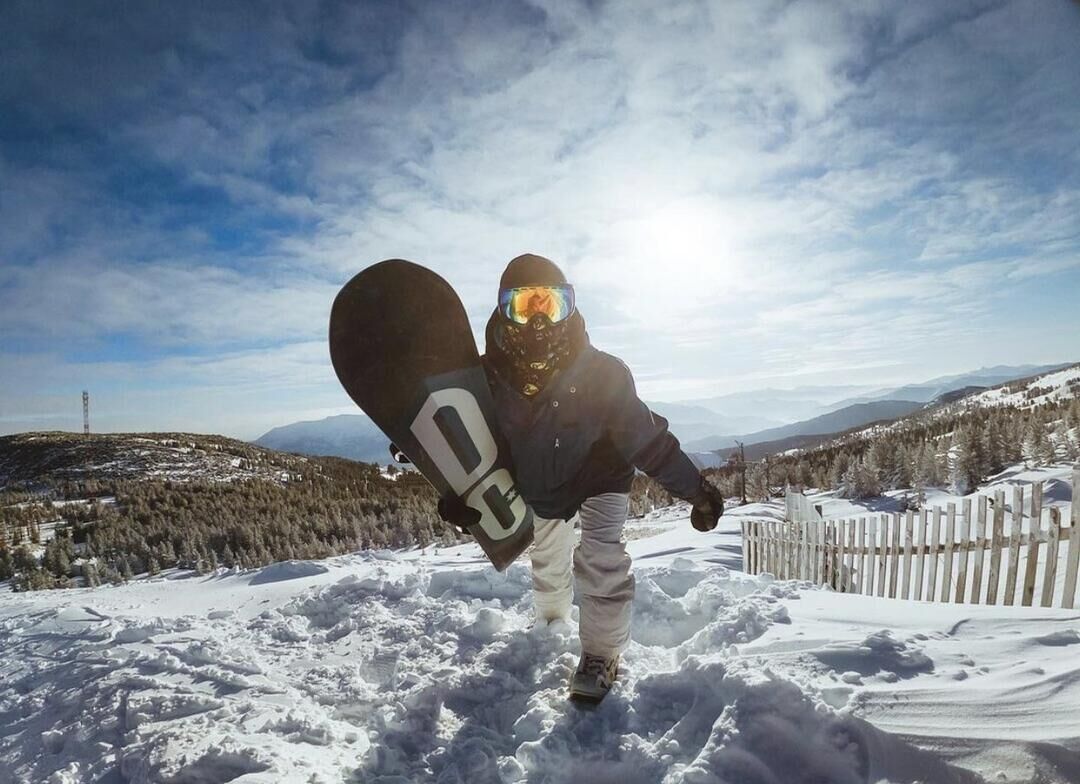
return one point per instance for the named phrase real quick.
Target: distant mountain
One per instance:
(834, 422)
(353, 436)
(692, 422)
(764, 408)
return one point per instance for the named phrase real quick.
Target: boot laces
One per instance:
(596, 666)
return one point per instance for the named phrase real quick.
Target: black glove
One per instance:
(398, 455)
(708, 505)
(454, 511)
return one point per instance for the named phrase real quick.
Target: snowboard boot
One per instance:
(593, 678)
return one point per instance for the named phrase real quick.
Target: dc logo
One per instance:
(485, 489)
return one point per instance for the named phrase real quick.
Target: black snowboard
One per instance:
(403, 349)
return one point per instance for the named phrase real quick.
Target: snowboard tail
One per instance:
(402, 347)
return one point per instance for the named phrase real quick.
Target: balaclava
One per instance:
(530, 353)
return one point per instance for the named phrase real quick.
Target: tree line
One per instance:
(959, 450)
(127, 527)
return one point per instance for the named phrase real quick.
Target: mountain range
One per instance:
(781, 417)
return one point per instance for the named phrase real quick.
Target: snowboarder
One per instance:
(577, 430)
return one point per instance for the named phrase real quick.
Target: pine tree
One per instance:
(859, 481)
(1037, 448)
(838, 470)
(995, 447)
(968, 461)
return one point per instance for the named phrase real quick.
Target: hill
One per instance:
(105, 507)
(33, 459)
(352, 436)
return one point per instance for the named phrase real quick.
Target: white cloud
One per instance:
(778, 189)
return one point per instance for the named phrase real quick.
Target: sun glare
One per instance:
(672, 258)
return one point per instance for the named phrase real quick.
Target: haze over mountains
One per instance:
(756, 417)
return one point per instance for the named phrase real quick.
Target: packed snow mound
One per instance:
(426, 667)
(287, 570)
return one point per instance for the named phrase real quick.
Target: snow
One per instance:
(1051, 387)
(424, 666)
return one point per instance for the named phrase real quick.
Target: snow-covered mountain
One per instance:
(933, 389)
(1060, 385)
(1055, 386)
(424, 667)
(353, 436)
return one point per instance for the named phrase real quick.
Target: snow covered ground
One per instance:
(423, 667)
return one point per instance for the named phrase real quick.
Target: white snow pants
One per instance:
(601, 566)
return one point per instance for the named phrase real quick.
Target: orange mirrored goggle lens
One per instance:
(521, 304)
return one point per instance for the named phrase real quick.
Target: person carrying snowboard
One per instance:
(577, 431)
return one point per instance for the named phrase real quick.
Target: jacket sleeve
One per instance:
(643, 439)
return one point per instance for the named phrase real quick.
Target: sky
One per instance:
(745, 194)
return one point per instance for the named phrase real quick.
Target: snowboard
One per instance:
(401, 345)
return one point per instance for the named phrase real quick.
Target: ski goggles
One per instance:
(521, 304)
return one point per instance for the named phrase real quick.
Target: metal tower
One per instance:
(86, 413)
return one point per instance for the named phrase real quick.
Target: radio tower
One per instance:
(86, 413)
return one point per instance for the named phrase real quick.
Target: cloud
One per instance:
(775, 188)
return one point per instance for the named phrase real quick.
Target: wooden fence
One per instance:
(945, 555)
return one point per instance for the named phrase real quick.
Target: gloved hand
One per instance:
(398, 455)
(708, 505)
(454, 511)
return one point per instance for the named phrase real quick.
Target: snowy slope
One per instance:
(422, 666)
(1051, 387)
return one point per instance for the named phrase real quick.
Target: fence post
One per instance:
(838, 571)
(783, 565)
(935, 538)
(1073, 562)
(852, 559)
(861, 558)
(774, 549)
(909, 534)
(1017, 521)
(830, 563)
(871, 555)
(1034, 539)
(798, 551)
(744, 527)
(965, 545)
(920, 562)
(894, 556)
(1052, 549)
(823, 553)
(995, 547)
(980, 548)
(883, 551)
(950, 535)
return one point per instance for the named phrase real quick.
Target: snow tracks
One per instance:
(401, 671)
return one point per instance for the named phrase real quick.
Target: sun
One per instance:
(670, 259)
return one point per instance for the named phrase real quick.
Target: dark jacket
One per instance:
(584, 434)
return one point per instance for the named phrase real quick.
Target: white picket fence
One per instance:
(945, 555)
